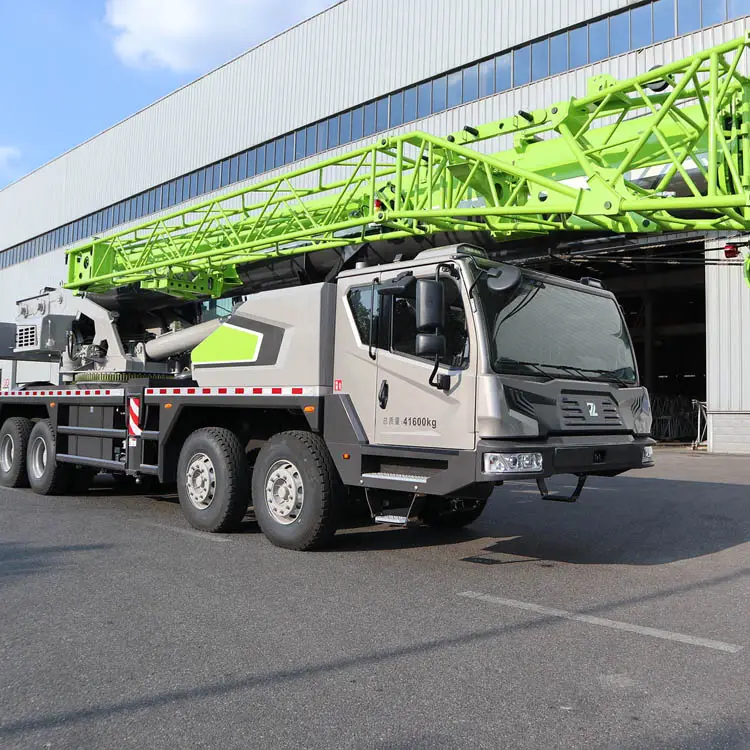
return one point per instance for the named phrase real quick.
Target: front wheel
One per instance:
(213, 480)
(296, 491)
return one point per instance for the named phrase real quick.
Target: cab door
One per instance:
(355, 358)
(408, 410)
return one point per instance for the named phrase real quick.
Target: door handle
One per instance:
(383, 394)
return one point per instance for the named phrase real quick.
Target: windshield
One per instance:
(548, 330)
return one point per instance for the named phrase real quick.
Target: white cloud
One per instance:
(196, 35)
(10, 168)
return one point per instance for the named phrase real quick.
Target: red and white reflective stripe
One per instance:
(100, 392)
(134, 417)
(240, 391)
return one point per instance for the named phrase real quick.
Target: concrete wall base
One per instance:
(729, 432)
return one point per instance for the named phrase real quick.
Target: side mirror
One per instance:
(430, 321)
(430, 306)
(504, 279)
(430, 345)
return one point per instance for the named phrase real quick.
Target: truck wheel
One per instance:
(213, 480)
(14, 441)
(296, 491)
(46, 476)
(438, 515)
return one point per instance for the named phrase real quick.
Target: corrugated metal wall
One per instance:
(190, 139)
(186, 130)
(728, 357)
(356, 51)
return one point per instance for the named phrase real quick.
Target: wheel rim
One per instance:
(201, 481)
(285, 492)
(7, 453)
(39, 457)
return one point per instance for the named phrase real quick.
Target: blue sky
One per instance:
(72, 68)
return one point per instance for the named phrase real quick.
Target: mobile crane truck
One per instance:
(376, 351)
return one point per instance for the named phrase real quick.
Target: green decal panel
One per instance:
(228, 344)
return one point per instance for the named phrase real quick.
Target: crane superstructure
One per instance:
(417, 382)
(668, 150)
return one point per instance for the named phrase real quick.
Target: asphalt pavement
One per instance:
(619, 622)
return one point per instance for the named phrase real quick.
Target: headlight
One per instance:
(648, 454)
(642, 415)
(512, 463)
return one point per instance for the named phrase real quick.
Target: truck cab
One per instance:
(459, 372)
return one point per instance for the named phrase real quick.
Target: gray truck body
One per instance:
(336, 360)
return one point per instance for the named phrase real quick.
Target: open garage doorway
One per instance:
(663, 294)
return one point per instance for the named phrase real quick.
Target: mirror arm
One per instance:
(450, 267)
(441, 382)
(432, 380)
(481, 272)
(372, 320)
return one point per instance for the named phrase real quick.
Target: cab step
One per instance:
(390, 476)
(391, 514)
(392, 520)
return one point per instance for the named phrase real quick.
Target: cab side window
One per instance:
(361, 304)
(404, 327)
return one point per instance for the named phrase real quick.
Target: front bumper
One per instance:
(597, 455)
(449, 473)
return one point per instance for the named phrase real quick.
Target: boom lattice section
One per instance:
(668, 150)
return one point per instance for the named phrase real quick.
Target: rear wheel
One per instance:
(296, 491)
(46, 475)
(14, 441)
(213, 480)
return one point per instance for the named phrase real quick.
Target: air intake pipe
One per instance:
(177, 342)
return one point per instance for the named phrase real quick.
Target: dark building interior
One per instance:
(662, 291)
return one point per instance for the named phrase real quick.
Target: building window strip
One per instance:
(618, 33)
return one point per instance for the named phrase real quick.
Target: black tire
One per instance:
(312, 525)
(438, 516)
(221, 478)
(46, 476)
(14, 441)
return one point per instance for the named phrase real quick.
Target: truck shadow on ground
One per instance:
(623, 521)
(368, 538)
(626, 521)
(19, 559)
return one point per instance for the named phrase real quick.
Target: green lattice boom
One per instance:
(668, 150)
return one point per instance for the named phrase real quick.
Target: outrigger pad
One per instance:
(546, 495)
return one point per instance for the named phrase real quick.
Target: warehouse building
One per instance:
(366, 67)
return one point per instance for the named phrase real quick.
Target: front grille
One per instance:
(519, 401)
(575, 412)
(26, 337)
(523, 401)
